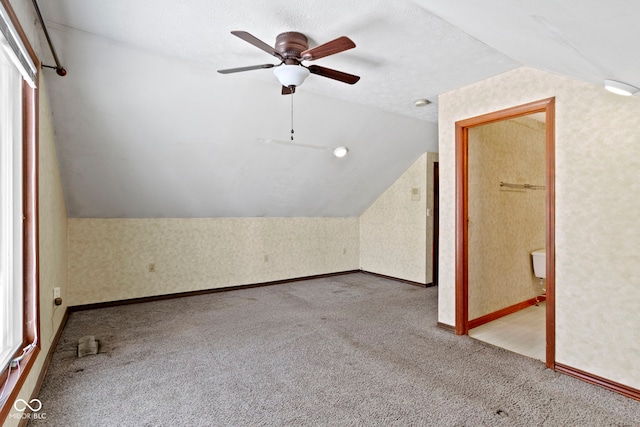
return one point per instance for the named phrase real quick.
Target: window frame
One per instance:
(31, 308)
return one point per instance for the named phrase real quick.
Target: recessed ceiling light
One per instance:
(620, 88)
(421, 102)
(340, 151)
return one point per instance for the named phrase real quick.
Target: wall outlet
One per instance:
(152, 267)
(56, 293)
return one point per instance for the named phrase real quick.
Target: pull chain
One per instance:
(291, 116)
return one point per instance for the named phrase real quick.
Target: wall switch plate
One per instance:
(56, 293)
(415, 194)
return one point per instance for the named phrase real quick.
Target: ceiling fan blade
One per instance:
(288, 90)
(334, 46)
(249, 68)
(257, 43)
(333, 74)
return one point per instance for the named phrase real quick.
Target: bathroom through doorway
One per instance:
(505, 211)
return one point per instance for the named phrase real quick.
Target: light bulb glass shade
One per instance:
(291, 75)
(620, 88)
(340, 151)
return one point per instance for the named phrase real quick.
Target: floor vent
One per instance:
(87, 346)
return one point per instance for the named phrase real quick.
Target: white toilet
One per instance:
(539, 263)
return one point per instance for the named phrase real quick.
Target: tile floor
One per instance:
(522, 332)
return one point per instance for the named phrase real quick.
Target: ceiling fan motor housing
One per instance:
(290, 45)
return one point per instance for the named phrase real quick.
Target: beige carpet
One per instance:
(350, 350)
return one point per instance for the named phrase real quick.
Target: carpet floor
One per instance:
(349, 350)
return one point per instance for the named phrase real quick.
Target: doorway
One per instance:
(436, 221)
(546, 107)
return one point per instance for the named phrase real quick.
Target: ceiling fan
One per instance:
(291, 49)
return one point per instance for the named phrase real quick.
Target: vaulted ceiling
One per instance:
(146, 127)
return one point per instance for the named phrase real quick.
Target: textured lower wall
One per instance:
(109, 258)
(597, 232)
(393, 230)
(505, 225)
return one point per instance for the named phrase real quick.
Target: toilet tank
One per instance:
(539, 258)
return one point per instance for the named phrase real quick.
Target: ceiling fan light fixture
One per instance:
(291, 75)
(620, 88)
(340, 152)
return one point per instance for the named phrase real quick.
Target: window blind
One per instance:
(15, 49)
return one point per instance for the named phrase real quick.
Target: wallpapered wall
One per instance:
(53, 228)
(109, 259)
(505, 224)
(597, 231)
(394, 236)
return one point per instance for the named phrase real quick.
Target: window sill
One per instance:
(16, 380)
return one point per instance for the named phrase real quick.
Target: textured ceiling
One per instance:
(590, 40)
(146, 127)
(401, 50)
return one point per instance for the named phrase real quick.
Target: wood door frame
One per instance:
(546, 106)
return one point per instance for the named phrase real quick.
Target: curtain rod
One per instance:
(59, 68)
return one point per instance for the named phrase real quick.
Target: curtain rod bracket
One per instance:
(60, 70)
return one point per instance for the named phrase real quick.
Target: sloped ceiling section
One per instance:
(590, 40)
(146, 127)
(165, 137)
